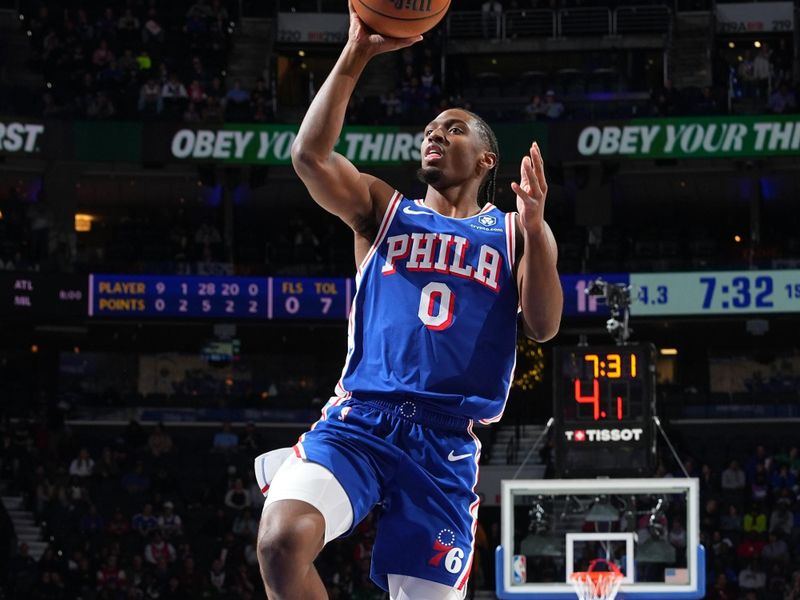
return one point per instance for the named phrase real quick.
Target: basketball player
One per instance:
(432, 339)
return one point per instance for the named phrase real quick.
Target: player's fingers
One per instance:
(520, 191)
(538, 168)
(524, 169)
(535, 187)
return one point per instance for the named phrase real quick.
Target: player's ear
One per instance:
(487, 161)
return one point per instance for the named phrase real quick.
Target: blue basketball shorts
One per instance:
(420, 466)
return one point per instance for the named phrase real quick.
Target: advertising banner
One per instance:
(319, 28)
(683, 137)
(755, 17)
(271, 143)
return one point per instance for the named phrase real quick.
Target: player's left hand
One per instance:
(531, 191)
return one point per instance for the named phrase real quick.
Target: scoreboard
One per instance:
(176, 296)
(603, 406)
(219, 297)
(42, 295)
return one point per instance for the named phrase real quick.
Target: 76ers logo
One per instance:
(444, 548)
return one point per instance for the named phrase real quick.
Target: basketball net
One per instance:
(597, 585)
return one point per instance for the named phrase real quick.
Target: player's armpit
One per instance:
(334, 183)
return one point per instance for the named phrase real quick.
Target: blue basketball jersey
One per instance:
(435, 311)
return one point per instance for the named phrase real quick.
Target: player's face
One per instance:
(451, 149)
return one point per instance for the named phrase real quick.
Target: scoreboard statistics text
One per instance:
(218, 297)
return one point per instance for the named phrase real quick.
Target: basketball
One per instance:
(401, 18)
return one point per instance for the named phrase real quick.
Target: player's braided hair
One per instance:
(489, 184)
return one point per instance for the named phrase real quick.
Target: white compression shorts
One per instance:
(287, 477)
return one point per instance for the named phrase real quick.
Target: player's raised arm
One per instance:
(331, 179)
(540, 293)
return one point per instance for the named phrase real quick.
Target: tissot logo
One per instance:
(20, 137)
(603, 435)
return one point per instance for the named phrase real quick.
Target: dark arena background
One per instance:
(173, 303)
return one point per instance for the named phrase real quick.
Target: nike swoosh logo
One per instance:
(410, 211)
(453, 458)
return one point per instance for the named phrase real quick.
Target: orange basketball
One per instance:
(401, 18)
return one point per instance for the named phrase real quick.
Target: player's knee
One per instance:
(286, 540)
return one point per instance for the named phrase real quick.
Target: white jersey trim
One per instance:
(391, 209)
(388, 217)
(511, 248)
(473, 512)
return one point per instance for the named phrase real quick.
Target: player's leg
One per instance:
(431, 505)
(290, 536)
(404, 587)
(306, 507)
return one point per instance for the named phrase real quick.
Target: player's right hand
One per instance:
(366, 39)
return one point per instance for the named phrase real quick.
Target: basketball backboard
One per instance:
(649, 528)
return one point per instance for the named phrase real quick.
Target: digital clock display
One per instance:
(603, 403)
(603, 385)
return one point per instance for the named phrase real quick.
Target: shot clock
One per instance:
(603, 406)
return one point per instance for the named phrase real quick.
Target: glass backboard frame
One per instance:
(695, 588)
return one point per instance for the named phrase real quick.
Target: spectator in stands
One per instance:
(145, 62)
(110, 577)
(169, 523)
(755, 521)
(746, 76)
(81, 580)
(762, 71)
(128, 28)
(145, 522)
(759, 487)
(216, 90)
(106, 26)
(173, 96)
(731, 523)
(118, 527)
(237, 101)
(159, 549)
(135, 482)
(782, 100)
(159, 443)
(213, 111)
(153, 34)
(92, 523)
(733, 480)
(251, 440)
(534, 110)
(776, 551)
(192, 114)
(218, 577)
(237, 499)
(392, 106)
(100, 107)
(150, 101)
(102, 55)
(199, 9)
(553, 110)
(226, 440)
(781, 520)
(50, 109)
(750, 547)
(245, 525)
(752, 577)
(83, 465)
